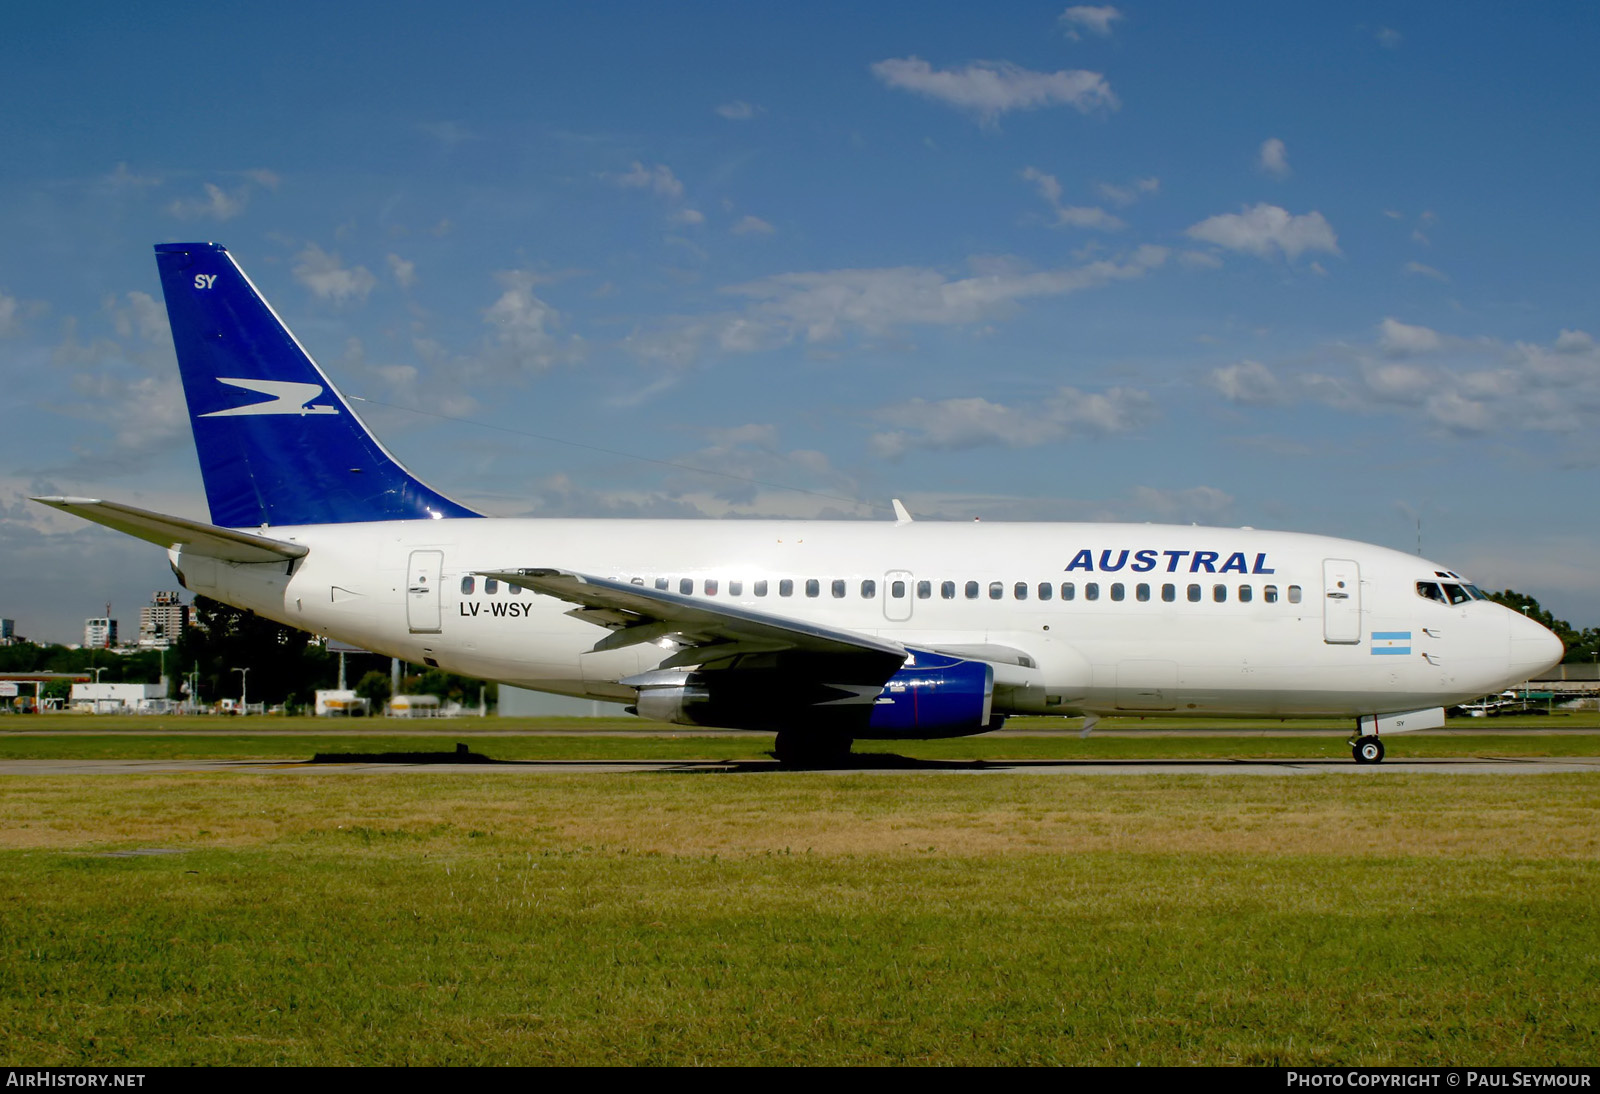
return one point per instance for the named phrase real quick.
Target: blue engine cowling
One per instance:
(934, 695)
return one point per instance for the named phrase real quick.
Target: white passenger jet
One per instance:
(823, 631)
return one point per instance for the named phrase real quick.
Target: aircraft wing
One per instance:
(206, 540)
(707, 632)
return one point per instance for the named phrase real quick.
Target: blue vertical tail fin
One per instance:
(277, 442)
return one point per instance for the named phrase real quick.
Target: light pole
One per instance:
(244, 691)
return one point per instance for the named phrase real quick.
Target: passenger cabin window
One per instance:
(947, 590)
(869, 589)
(1068, 590)
(1045, 590)
(735, 588)
(1194, 594)
(1294, 594)
(1091, 590)
(1245, 594)
(924, 590)
(661, 583)
(1169, 593)
(468, 584)
(997, 589)
(813, 587)
(1020, 590)
(837, 588)
(1143, 593)
(1269, 593)
(760, 587)
(1219, 593)
(786, 587)
(711, 586)
(516, 590)
(1117, 591)
(686, 586)
(490, 586)
(897, 590)
(972, 590)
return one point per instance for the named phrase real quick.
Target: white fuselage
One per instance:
(1254, 622)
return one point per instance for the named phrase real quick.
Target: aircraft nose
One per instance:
(1534, 648)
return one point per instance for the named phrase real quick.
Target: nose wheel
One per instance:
(1367, 750)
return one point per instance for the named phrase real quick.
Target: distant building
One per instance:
(119, 698)
(99, 634)
(161, 624)
(8, 632)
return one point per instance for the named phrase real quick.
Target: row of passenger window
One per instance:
(838, 589)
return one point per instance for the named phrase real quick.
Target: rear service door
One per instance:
(1341, 601)
(422, 591)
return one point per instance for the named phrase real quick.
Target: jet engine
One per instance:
(932, 695)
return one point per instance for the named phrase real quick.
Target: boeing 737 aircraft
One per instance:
(823, 631)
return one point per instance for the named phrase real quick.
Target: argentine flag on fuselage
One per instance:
(1391, 642)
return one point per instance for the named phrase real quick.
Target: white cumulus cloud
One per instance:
(659, 179)
(1264, 230)
(1273, 159)
(218, 204)
(957, 424)
(1132, 192)
(1095, 19)
(1075, 216)
(992, 88)
(405, 273)
(324, 275)
(1402, 340)
(1250, 383)
(738, 111)
(752, 226)
(523, 322)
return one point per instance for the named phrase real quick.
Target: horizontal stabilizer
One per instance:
(205, 540)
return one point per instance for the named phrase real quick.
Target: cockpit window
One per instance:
(1475, 592)
(1428, 590)
(1456, 593)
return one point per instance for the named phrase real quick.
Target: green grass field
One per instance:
(413, 918)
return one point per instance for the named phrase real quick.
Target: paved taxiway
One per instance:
(869, 764)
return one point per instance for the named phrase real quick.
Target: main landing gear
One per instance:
(799, 749)
(1367, 750)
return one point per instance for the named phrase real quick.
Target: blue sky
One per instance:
(1320, 267)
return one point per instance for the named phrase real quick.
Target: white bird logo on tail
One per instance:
(288, 397)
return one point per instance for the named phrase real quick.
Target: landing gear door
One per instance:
(1341, 601)
(422, 591)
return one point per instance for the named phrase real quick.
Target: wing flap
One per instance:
(206, 540)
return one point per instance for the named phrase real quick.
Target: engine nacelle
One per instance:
(687, 704)
(934, 695)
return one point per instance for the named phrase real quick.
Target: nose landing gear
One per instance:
(1367, 750)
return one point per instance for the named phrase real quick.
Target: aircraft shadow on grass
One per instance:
(864, 761)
